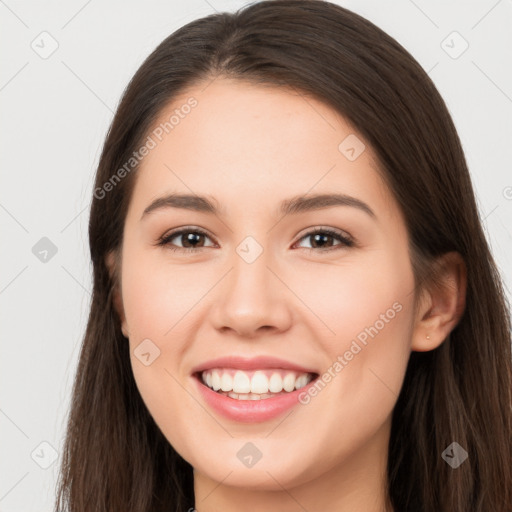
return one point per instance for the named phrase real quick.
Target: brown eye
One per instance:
(191, 240)
(320, 239)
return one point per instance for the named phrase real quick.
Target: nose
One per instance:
(252, 300)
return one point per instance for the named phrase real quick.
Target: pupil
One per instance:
(190, 238)
(319, 236)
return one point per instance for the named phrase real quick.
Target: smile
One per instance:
(252, 389)
(254, 385)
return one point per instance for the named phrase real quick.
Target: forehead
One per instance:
(252, 146)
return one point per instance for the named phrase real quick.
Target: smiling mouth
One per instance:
(254, 385)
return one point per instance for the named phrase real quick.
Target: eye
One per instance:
(192, 240)
(191, 243)
(320, 235)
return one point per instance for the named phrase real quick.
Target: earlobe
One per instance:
(442, 305)
(111, 263)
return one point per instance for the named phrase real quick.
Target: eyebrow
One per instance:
(294, 205)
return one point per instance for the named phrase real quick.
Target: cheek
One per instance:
(156, 300)
(159, 298)
(367, 360)
(355, 299)
(366, 312)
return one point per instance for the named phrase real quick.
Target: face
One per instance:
(323, 290)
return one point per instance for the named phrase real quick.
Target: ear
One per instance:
(114, 272)
(442, 305)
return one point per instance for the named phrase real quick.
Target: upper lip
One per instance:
(251, 363)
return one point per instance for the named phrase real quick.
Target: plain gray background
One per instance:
(55, 113)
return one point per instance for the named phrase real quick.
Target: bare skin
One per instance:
(251, 147)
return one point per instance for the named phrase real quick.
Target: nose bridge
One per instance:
(252, 296)
(250, 277)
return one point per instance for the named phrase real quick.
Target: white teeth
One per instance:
(275, 384)
(215, 381)
(259, 383)
(301, 381)
(241, 383)
(289, 382)
(226, 382)
(254, 385)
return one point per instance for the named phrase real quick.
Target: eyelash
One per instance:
(345, 241)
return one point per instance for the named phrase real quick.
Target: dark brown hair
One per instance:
(115, 458)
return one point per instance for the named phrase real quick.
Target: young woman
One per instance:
(295, 306)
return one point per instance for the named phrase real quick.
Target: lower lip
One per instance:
(250, 411)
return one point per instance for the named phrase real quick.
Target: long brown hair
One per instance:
(115, 458)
